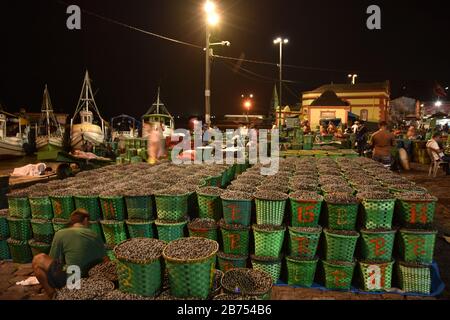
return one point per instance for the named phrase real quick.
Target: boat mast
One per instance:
(47, 108)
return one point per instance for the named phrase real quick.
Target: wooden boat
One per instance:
(10, 146)
(158, 113)
(86, 132)
(50, 140)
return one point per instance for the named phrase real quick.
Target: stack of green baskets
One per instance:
(268, 240)
(59, 224)
(342, 216)
(63, 206)
(340, 245)
(97, 228)
(209, 206)
(42, 230)
(270, 212)
(20, 250)
(376, 275)
(301, 271)
(417, 245)
(338, 274)
(303, 242)
(231, 261)
(139, 207)
(39, 247)
(172, 207)
(41, 207)
(141, 276)
(91, 204)
(417, 214)
(415, 277)
(113, 231)
(209, 230)
(4, 234)
(190, 278)
(19, 207)
(377, 245)
(236, 238)
(305, 213)
(20, 229)
(237, 211)
(170, 230)
(270, 265)
(113, 208)
(140, 228)
(378, 213)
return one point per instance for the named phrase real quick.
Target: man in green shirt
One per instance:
(76, 246)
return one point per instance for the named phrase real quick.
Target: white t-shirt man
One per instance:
(434, 145)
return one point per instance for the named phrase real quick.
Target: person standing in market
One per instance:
(382, 142)
(438, 153)
(361, 137)
(75, 246)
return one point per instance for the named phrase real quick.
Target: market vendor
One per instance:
(76, 245)
(382, 143)
(438, 154)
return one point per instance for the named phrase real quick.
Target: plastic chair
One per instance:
(435, 164)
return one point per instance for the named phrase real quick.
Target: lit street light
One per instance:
(280, 42)
(212, 19)
(353, 77)
(438, 103)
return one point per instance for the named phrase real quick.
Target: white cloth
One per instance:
(30, 170)
(31, 281)
(354, 128)
(434, 145)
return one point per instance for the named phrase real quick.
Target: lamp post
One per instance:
(353, 77)
(280, 41)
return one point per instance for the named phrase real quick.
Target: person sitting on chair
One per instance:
(76, 245)
(438, 154)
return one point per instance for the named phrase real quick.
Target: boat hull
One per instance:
(11, 148)
(46, 144)
(86, 133)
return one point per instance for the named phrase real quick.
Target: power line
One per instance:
(134, 28)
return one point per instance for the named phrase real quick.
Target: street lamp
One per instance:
(438, 103)
(353, 77)
(212, 19)
(280, 41)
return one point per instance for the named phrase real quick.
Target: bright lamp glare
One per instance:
(210, 7)
(213, 19)
(438, 103)
(286, 41)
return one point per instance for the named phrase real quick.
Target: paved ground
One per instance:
(11, 273)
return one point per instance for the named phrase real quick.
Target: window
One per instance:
(328, 114)
(364, 115)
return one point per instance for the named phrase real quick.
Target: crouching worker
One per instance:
(76, 245)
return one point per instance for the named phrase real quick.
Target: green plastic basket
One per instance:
(110, 252)
(416, 214)
(305, 214)
(228, 261)
(417, 245)
(340, 247)
(268, 243)
(140, 228)
(20, 229)
(414, 278)
(209, 233)
(270, 212)
(170, 230)
(235, 241)
(19, 207)
(301, 272)
(4, 250)
(41, 208)
(20, 251)
(113, 231)
(237, 211)
(4, 228)
(377, 245)
(113, 208)
(191, 278)
(139, 207)
(63, 206)
(376, 276)
(59, 224)
(342, 216)
(214, 181)
(91, 204)
(143, 278)
(272, 267)
(42, 230)
(39, 247)
(97, 228)
(378, 214)
(173, 208)
(338, 276)
(209, 207)
(303, 242)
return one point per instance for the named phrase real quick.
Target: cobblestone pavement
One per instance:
(10, 273)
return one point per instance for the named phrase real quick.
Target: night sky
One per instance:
(328, 38)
